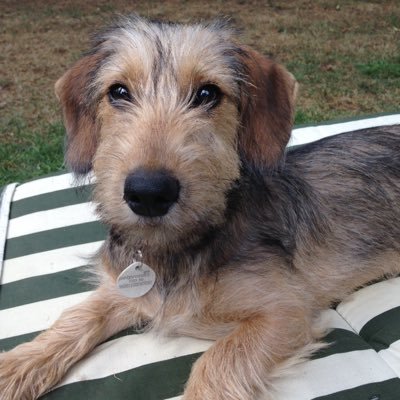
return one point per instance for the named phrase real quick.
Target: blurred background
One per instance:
(345, 55)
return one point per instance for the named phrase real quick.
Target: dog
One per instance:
(226, 234)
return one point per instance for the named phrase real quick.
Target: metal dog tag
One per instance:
(136, 280)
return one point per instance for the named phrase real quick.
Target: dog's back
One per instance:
(356, 178)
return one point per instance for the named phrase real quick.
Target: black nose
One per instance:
(151, 193)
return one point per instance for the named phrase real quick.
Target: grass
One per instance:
(381, 69)
(345, 55)
(26, 153)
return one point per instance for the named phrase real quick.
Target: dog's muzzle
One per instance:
(151, 193)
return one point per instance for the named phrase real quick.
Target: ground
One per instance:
(345, 55)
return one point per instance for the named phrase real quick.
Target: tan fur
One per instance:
(220, 276)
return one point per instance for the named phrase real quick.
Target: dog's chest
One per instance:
(212, 307)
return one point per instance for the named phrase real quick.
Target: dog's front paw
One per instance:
(192, 396)
(12, 379)
(24, 375)
(196, 392)
(199, 386)
(206, 382)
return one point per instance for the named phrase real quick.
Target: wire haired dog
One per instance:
(185, 130)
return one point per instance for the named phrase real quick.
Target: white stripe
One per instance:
(311, 379)
(35, 316)
(360, 307)
(51, 219)
(312, 133)
(44, 185)
(331, 319)
(130, 352)
(391, 356)
(48, 262)
(5, 201)
(332, 374)
(174, 398)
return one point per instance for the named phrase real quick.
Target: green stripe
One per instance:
(11, 342)
(383, 330)
(386, 390)
(341, 341)
(55, 239)
(44, 287)
(155, 381)
(49, 201)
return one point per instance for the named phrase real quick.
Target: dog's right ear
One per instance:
(267, 110)
(72, 89)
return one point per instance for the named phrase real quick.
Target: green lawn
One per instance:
(345, 55)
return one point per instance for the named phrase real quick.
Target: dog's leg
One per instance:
(241, 365)
(33, 368)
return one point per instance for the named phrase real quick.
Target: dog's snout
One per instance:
(151, 193)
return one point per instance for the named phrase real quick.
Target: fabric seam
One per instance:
(5, 205)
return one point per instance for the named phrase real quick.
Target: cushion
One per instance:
(48, 230)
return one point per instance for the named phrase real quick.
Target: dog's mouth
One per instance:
(151, 193)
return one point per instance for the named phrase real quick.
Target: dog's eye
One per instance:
(208, 95)
(118, 92)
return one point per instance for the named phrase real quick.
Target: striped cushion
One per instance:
(49, 229)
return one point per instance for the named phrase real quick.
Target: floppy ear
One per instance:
(73, 90)
(267, 110)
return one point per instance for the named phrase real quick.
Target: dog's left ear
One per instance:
(72, 90)
(267, 110)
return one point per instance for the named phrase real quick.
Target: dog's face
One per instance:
(166, 115)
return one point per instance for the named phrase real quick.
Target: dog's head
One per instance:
(166, 115)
